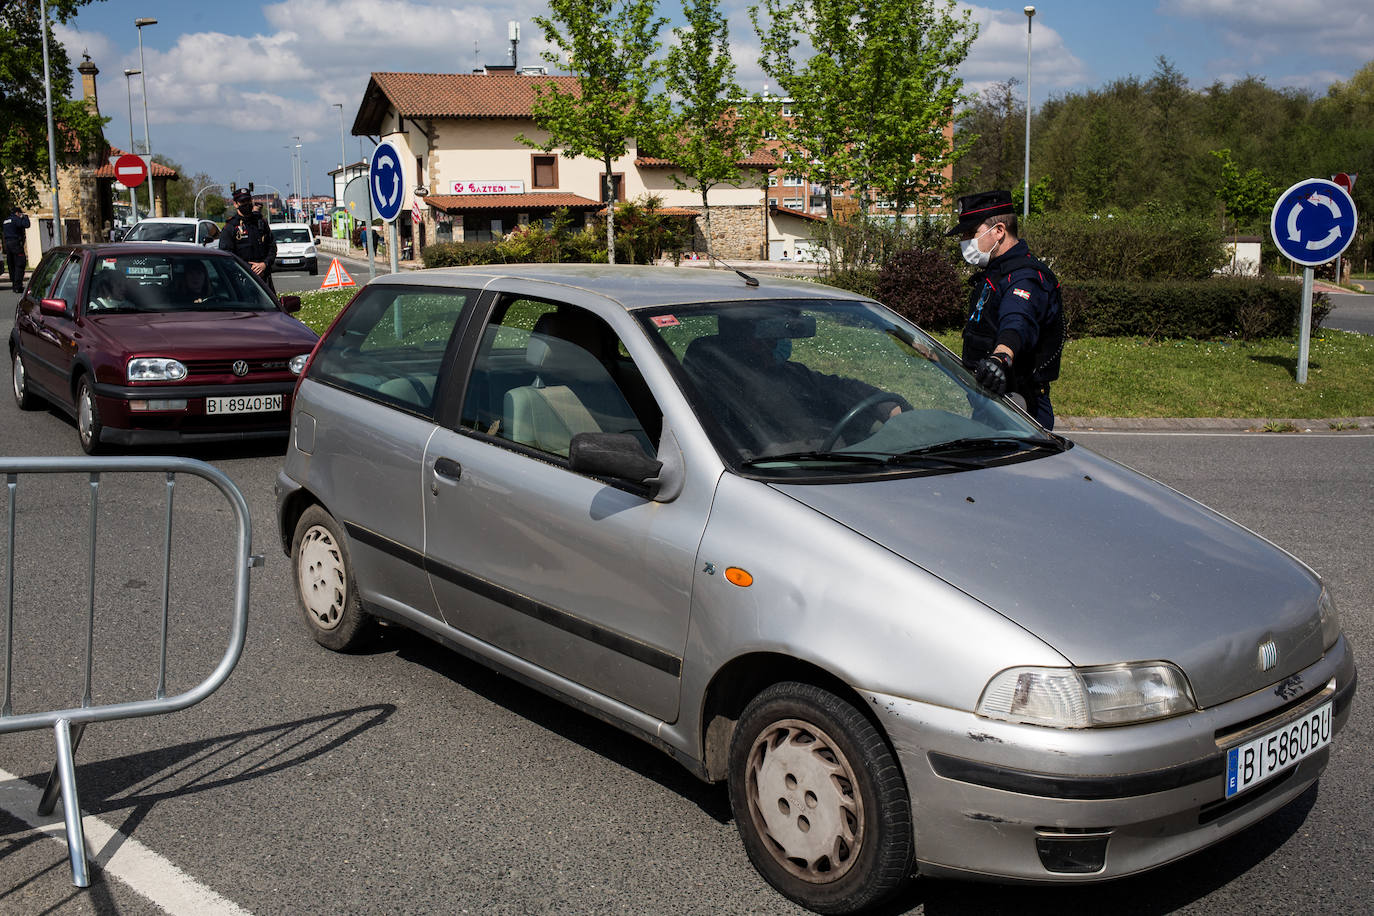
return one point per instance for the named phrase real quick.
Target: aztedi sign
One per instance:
(488, 187)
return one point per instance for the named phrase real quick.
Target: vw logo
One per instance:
(1268, 656)
(240, 367)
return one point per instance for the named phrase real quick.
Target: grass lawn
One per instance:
(1134, 377)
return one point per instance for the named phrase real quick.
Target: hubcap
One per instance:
(84, 412)
(320, 569)
(804, 801)
(18, 378)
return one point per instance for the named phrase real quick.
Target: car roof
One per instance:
(290, 225)
(125, 249)
(173, 219)
(632, 286)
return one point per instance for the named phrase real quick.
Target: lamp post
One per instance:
(296, 177)
(56, 216)
(143, 81)
(1025, 199)
(343, 174)
(129, 85)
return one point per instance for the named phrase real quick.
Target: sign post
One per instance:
(386, 182)
(131, 171)
(358, 200)
(1312, 223)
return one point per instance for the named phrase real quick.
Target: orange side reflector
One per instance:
(739, 577)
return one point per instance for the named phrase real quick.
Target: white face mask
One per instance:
(972, 253)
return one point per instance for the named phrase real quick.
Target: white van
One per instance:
(295, 247)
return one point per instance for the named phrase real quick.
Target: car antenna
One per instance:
(744, 276)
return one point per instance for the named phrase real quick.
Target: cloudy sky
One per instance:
(229, 85)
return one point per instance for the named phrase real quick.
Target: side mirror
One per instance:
(55, 307)
(290, 304)
(616, 455)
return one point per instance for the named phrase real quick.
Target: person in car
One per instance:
(195, 283)
(109, 291)
(758, 392)
(248, 235)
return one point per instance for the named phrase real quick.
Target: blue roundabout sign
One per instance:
(386, 182)
(1313, 221)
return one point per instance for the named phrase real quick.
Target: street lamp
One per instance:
(129, 85)
(143, 81)
(343, 174)
(1025, 199)
(296, 176)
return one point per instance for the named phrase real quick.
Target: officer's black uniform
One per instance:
(1016, 301)
(250, 237)
(15, 259)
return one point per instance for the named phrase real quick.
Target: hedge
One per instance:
(1144, 246)
(1219, 307)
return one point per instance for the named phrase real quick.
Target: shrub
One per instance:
(861, 281)
(923, 286)
(1148, 245)
(1219, 307)
(460, 254)
(528, 245)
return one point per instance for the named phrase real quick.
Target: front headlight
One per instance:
(297, 363)
(156, 369)
(1087, 697)
(1331, 621)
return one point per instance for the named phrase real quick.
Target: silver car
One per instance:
(778, 532)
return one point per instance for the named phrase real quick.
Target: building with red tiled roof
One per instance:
(457, 135)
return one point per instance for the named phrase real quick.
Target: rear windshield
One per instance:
(162, 232)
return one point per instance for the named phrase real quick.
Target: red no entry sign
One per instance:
(130, 170)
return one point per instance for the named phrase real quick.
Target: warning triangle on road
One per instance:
(336, 277)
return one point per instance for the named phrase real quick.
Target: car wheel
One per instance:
(22, 396)
(819, 800)
(325, 584)
(88, 425)
(314, 268)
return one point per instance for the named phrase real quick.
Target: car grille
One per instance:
(258, 369)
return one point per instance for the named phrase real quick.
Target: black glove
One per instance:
(991, 372)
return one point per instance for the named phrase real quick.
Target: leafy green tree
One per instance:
(23, 111)
(608, 45)
(711, 127)
(870, 103)
(992, 129)
(1248, 196)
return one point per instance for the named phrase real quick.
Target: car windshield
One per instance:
(290, 235)
(162, 232)
(173, 283)
(796, 388)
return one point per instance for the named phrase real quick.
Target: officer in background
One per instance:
(1015, 329)
(13, 239)
(248, 235)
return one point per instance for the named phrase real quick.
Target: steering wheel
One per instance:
(876, 397)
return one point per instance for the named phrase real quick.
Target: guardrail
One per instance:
(68, 724)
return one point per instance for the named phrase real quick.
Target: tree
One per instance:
(608, 45)
(991, 128)
(182, 195)
(1248, 196)
(712, 126)
(871, 103)
(23, 110)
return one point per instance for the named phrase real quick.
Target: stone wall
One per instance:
(736, 232)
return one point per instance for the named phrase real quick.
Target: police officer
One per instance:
(13, 240)
(1015, 329)
(248, 235)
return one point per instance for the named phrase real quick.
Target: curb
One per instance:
(1213, 424)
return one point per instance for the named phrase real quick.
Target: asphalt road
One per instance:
(405, 780)
(1351, 312)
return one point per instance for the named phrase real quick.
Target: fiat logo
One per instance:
(1268, 656)
(240, 367)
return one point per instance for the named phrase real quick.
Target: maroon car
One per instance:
(148, 344)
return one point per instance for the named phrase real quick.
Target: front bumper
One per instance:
(124, 426)
(997, 800)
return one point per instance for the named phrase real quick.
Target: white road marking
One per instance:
(120, 856)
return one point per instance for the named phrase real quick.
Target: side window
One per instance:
(390, 345)
(41, 280)
(70, 284)
(546, 371)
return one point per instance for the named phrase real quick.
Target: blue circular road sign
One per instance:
(1313, 221)
(386, 182)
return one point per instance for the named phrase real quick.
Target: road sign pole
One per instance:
(1305, 332)
(395, 243)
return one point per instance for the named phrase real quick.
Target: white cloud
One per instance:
(999, 54)
(1261, 29)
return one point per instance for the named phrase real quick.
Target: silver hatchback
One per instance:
(778, 532)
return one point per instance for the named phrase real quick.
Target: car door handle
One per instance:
(447, 467)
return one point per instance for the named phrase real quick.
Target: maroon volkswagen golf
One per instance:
(149, 344)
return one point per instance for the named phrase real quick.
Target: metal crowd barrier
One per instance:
(68, 724)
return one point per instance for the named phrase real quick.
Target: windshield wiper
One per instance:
(837, 457)
(986, 444)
